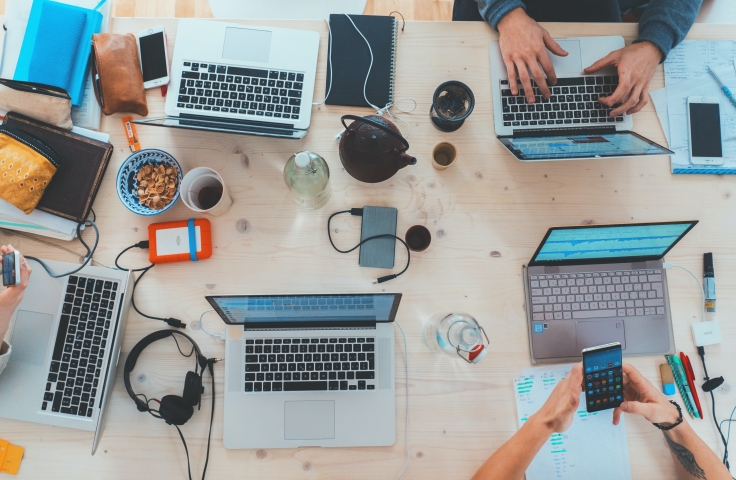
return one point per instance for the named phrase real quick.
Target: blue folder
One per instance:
(56, 46)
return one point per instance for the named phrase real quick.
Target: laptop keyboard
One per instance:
(294, 365)
(574, 100)
(625, 293)
(80, 346)
(239, 90)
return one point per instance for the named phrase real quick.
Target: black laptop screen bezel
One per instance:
(547, 263)
(504, 139)
(305, 324)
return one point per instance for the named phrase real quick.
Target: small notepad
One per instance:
(592, 441)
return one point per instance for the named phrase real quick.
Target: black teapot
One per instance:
(372, 148)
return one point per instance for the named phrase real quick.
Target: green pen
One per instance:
(678, 371)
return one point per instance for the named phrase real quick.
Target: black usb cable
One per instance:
(358, 212)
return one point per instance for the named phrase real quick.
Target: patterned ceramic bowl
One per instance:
(127, 181)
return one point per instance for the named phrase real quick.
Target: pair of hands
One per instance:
(640, 398)
(524, 45)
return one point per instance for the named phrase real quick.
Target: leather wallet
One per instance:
(26, 168)
(116, 74)
(45, 103)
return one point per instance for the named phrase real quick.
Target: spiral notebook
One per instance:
(351, 60)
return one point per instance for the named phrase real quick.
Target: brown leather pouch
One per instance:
(116, 71)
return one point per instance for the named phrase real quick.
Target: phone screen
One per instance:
(603, 379)
(705, 130)
(153, 56)
(9, 269)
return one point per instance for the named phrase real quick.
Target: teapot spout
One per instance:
(406, 159)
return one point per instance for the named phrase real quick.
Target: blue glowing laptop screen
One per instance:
(611, 242)
(560, 146)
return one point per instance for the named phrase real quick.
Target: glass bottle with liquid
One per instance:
(307, 176)
(457, 334)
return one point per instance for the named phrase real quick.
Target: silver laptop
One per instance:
(571, 124)
(591, 285)
(309, 370)
(66, 338)
(234, 78)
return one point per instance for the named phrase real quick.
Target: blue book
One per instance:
(56, 46)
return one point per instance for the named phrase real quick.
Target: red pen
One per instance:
(691, 381)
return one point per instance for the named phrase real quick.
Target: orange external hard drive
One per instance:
(187, 240)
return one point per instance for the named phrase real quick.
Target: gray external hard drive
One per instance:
(379, 252)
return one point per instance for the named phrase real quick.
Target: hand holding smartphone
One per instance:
(704, 122)
(603, 377)
(154, 57)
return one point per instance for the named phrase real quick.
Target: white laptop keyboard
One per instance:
(625, 293)
(250, 92)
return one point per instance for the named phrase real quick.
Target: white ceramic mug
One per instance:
(197, 179)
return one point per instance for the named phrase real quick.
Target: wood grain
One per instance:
(487, 214)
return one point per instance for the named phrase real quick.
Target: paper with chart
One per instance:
(576, 453)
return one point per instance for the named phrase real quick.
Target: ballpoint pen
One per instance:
(691, 381)
(725, 89)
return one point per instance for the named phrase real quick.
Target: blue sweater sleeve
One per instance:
(493, 11)
(666, 22)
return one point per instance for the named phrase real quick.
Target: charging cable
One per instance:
(406, 427)
(172, 322)
(359, 213)
(710, 383)
(221, 335)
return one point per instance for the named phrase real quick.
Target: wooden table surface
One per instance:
(487, 214)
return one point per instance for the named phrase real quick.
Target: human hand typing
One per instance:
(524, 45)
(636, 66)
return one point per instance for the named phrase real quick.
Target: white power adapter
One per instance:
(706, 333)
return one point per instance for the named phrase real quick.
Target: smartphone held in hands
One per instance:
(11, 268)
(154, 57)
(603, 378)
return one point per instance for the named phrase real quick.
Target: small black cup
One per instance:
(418, 238)
(452, 103)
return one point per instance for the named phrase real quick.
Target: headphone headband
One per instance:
(135, 352)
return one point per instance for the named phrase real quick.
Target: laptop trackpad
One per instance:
(30, 338)
(247, 44)
(309, 420)
(600, 332)
(572, 63)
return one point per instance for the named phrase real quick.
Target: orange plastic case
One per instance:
(205, 232)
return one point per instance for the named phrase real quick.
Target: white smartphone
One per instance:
(154, 57)
(704, 126)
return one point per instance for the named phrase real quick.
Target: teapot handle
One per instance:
(377, 125)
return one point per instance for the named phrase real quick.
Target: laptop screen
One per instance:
(609, 243)
(561, 146)
(276, 310)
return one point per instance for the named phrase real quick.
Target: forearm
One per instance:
(493, 11)
(666, 22)
(9, 301)
(511, 460)
(693, 459)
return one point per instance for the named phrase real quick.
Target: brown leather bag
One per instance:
(116, 74)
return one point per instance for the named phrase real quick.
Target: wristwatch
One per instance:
(679, 420)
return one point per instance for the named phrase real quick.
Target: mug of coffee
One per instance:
(203, 190)
(418, 238)
(443, 155)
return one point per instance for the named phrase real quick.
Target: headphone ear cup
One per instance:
(192, 389)
(175, 410)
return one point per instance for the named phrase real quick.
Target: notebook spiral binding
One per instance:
(393, 62)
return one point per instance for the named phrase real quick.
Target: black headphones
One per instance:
(173, 409)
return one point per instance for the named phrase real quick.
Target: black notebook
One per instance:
(351, 59)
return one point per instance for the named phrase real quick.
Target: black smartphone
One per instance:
(11, 268)
(602, 377)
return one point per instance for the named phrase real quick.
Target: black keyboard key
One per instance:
(343, 385)
(245, 72)
(187, 74)
(304, 386)
(365, 375)
(300, 77)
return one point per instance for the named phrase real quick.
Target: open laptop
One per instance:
(309, 370)
(234, 78)
(591, 285)
(66, 339)
(571, 124)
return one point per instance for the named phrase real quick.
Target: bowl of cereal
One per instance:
(148, 182)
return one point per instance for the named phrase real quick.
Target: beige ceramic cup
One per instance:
(200, 190)
(444, 155)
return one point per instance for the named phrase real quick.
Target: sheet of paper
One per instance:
(704, 85)
(37, 221)
(659, 99)
(691, 58)
(576, 453)
(16, 18)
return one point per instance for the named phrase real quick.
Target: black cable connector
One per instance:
(385, 279)
(175, 322)
(358, 212)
